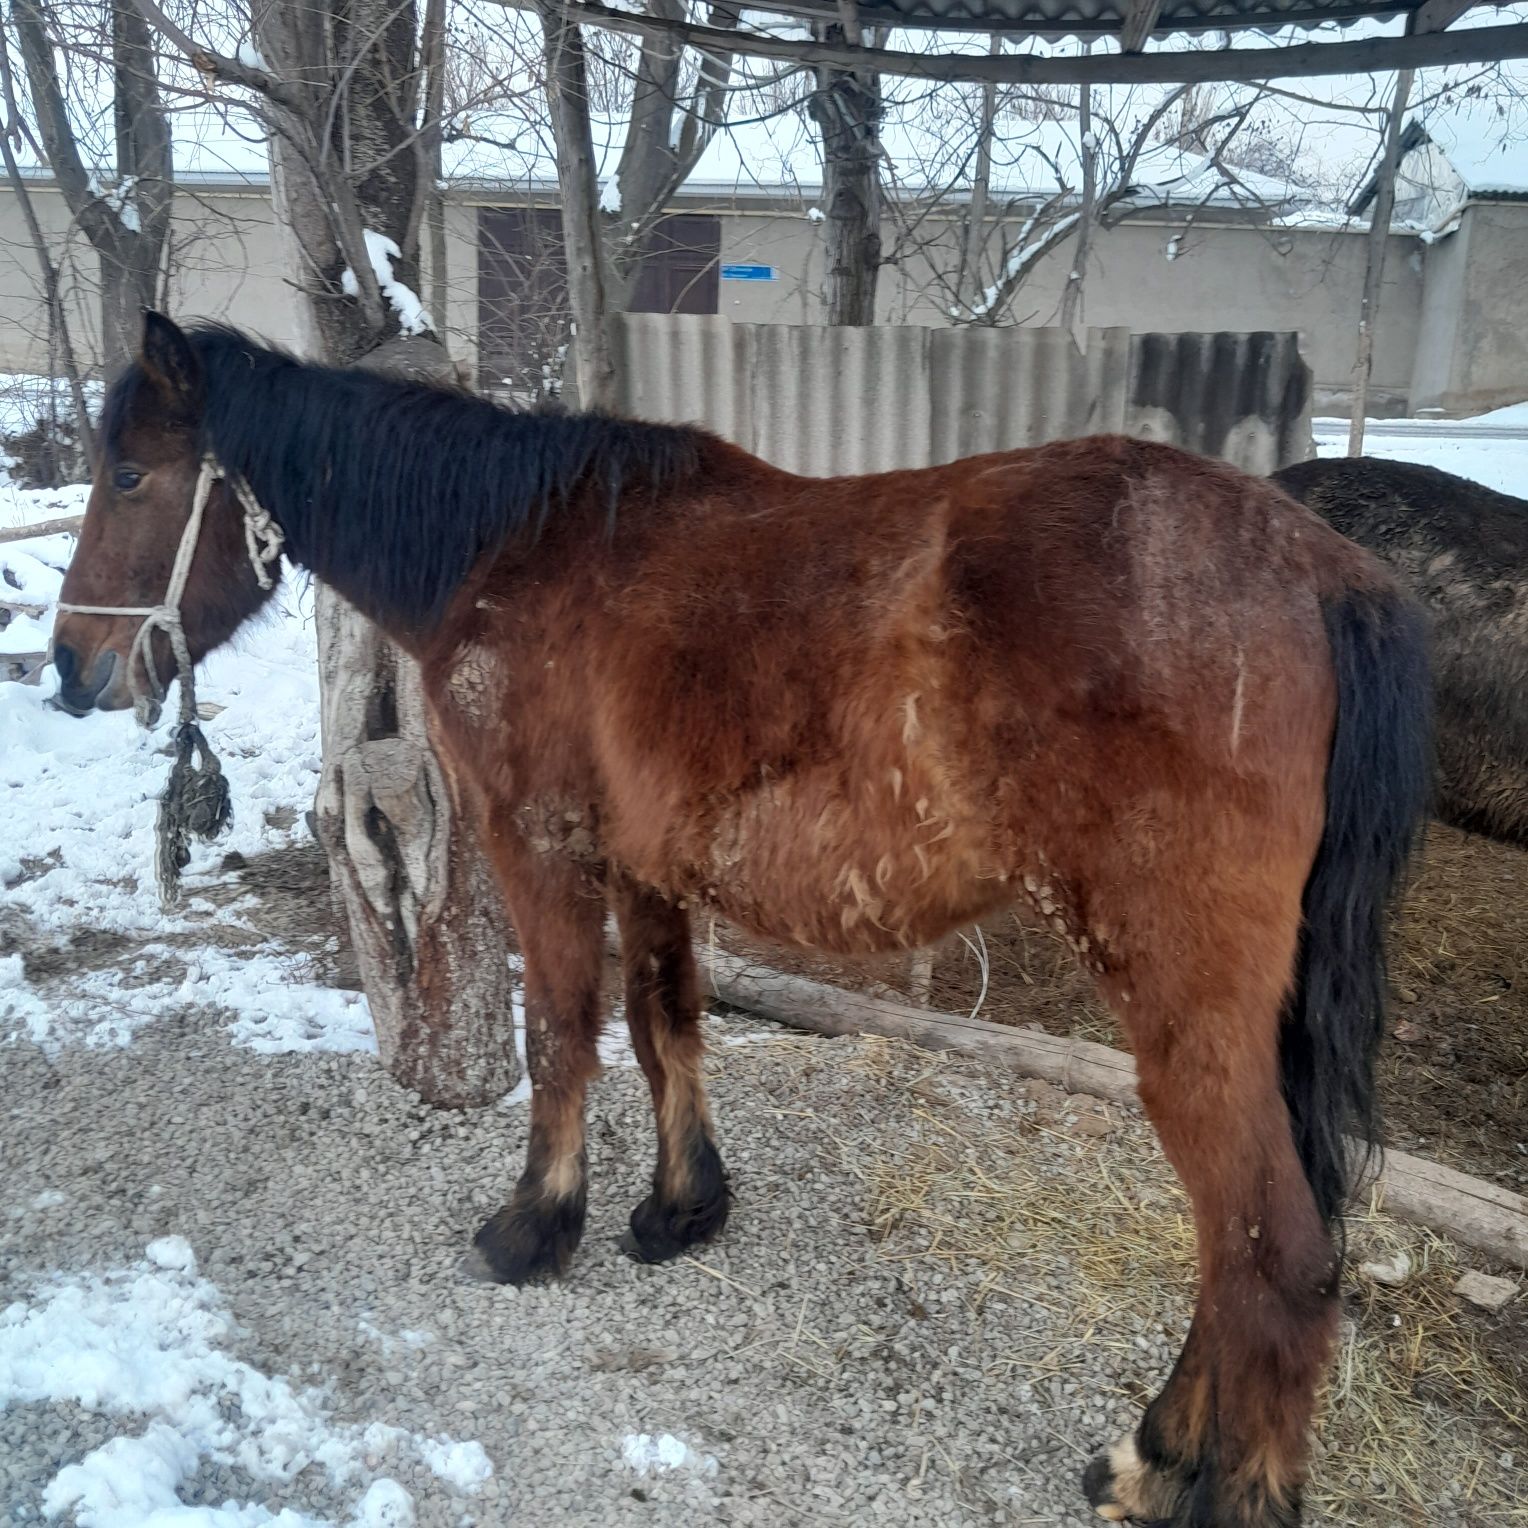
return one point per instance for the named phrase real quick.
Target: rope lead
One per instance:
(196, 804)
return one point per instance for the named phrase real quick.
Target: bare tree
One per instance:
(342, 91)
(674, 106)
(60, 340)
(582, 240)
(847, 107)
(1374, 262)
(674, 114)
(128, 223)
(1072, 173)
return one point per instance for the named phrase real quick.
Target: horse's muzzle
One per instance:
(81, 692)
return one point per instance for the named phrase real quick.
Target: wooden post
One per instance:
(1374, 268)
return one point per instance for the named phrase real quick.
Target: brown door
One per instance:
(523, 292)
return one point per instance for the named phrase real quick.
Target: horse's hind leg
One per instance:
(1224, 1444)
(689, 1201)
(560, 923)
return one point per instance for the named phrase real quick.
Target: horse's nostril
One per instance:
(67, 665)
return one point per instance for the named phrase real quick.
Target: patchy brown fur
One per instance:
(852, 715)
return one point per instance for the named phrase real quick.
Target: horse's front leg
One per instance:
(559, 918)
(690, 1198)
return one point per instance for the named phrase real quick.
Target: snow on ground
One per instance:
(147, 1344)
(1491, 448)
(24, 506)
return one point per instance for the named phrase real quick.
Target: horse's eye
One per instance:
(125, 479)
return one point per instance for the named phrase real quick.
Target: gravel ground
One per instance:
(846, 1352)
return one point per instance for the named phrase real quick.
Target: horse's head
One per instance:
(152, 448)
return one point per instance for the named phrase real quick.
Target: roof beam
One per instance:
(1369, 55)
(1436, 15)
(1140, 20)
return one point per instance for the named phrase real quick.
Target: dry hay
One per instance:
(1428, 1402)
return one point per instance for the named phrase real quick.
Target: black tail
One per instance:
(1378, 785)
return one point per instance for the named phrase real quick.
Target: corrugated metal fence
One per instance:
(825, 400)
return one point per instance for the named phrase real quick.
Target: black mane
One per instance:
(390, 489)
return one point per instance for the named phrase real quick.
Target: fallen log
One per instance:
(1481, 1215)
(68, 524)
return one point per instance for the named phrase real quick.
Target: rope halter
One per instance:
(263, 542)
(196, 800)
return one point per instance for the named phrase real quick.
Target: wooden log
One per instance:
(1079, 1066)
(1481, 1215)
(68, 523)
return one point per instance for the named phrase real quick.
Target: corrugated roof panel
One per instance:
(1102, 18)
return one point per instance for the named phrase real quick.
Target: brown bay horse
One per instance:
(1147, 696)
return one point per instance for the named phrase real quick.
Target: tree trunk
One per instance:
(434, 63)
(846, 107)
(1374, 266)
(60, 340)
(975, 243)
(425, 918)
(583, 242)
(424, 913)
(127, 288)
(1071, 299)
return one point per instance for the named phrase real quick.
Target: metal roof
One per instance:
(1093, 19)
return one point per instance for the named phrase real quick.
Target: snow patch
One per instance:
(385, 1505)
(816, 215)
(463, 1465)
(381, 251)
(146, 1345)
(19, 1005)
(251, 57)
(173, 1254)
(610, 195)
(1497, 460)
(1024, 255)
(663, 1453)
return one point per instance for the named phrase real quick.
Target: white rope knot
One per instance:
(263, 538)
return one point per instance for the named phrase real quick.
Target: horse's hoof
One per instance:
(1121, 1487)
(475, 1267)
(529, 1240)
(660, 1231)
(1098, 1487)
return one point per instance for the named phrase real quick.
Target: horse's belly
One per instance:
(803, 868)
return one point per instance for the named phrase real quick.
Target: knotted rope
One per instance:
(196, 801)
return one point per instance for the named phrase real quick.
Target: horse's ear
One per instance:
(169, 361)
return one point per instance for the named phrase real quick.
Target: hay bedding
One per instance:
(1454, 1074)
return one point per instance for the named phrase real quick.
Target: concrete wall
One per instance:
(225, 263)
(1452, 326)
(1473, 349)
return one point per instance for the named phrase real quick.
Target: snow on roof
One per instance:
(1487, 151)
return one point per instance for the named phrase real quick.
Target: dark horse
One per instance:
(1463, 551)
(1145, 694)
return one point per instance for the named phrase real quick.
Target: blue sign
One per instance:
(748, 273)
